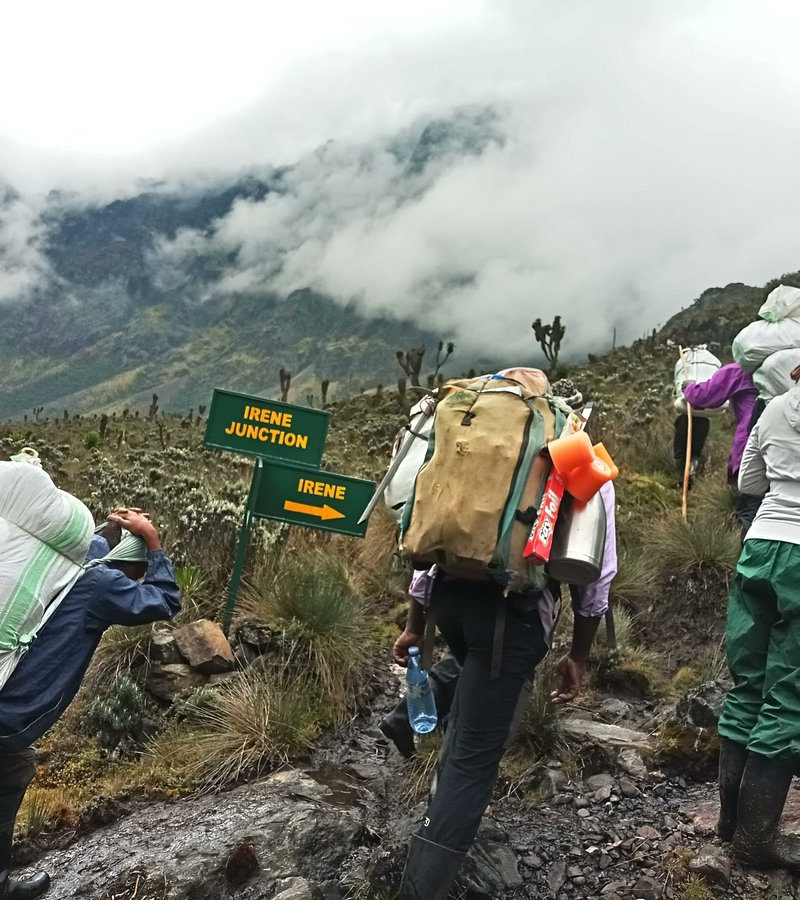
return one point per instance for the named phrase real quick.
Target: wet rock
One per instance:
(647, 833)
(647, 888)
(551, 783)
(491, 869)
(712, 864)
(597, 782)
(615, 708)
(702, 705)
(631, 762)
(296, 889)
(628, 788)
(169, 681)
(260, 833)
(556, 877)
(205, 647)
(164, 650)
(608, 737)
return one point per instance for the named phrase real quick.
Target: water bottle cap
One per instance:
(413, 651)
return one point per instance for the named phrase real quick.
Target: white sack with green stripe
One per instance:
(45, 535)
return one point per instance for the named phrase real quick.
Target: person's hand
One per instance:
(138, 523)
(570, 680)
(400, 650)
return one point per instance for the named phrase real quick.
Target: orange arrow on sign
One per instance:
(321, 512)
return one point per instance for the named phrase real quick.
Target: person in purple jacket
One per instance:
(731, 384)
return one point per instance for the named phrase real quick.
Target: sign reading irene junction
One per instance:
(266, 428)
(313, 498)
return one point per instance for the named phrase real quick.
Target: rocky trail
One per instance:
(333, 830)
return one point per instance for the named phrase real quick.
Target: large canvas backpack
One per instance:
(476, 496)
(45, 535)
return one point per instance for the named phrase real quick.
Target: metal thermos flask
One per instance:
(579, 541)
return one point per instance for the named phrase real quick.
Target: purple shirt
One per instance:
(731, 384)
(589, 600)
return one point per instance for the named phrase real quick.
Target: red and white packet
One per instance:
(540, 542)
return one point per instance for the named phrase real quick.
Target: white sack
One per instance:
(45, 535)
(760, 339)
(772, 377)
(782, 303)
(697, 364)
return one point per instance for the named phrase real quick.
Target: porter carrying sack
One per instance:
(477, 494)
(45, 535)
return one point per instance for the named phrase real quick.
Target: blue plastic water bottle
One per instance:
(419, 695)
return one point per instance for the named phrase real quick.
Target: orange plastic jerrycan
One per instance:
(601, 453)
(570, 452)
(585, 481)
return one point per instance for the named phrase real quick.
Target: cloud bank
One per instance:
(605, 162)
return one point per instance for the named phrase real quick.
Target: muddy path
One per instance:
(327, 829)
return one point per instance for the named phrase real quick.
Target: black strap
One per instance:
(497, 643)
(429, 637)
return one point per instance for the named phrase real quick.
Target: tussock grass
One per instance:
(311, 598)
(630, 668)
(45, 808)
(636, 581)
(704, 543)
(421, 768)
(713, 499)
(254, 724)
(121, 649)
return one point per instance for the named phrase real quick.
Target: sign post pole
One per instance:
(241, 551)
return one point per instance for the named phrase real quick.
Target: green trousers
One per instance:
(762, 711)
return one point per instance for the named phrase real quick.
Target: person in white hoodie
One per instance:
(760, 722)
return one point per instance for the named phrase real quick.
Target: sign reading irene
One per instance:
(266, 428)
(313, 498)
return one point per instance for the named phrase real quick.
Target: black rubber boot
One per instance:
(430, 870)
(732, 759)
(762, 795)
(28, 888)
(398, 729)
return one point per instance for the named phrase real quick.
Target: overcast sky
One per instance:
(646, 149)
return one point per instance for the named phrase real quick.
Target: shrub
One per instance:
(636, 581)
(91, 440)
(704, 543)
(310, 597)
(119, 710)
(255, 723)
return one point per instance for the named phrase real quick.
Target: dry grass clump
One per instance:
(311, 598)
(636, 581)
(705, 543)
(254, 723)
(121, 649)
(630, 667)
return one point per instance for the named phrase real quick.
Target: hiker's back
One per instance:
(476, 496)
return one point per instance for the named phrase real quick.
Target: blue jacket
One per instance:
(49, 675)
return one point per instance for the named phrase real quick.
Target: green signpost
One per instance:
(288, 486)
(267, 429)
(311, 497)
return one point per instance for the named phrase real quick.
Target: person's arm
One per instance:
(118, 600)
(716, 391)
(571, 668)
(753, 469)
(413, 634)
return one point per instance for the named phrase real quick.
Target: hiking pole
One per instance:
(688, 464)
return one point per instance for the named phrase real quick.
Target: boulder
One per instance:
(205, 647)
(551, 783)
(701, 707)
(169, 681)
(631, 762)
(296, 889)
(606, 736)
(164, 650)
